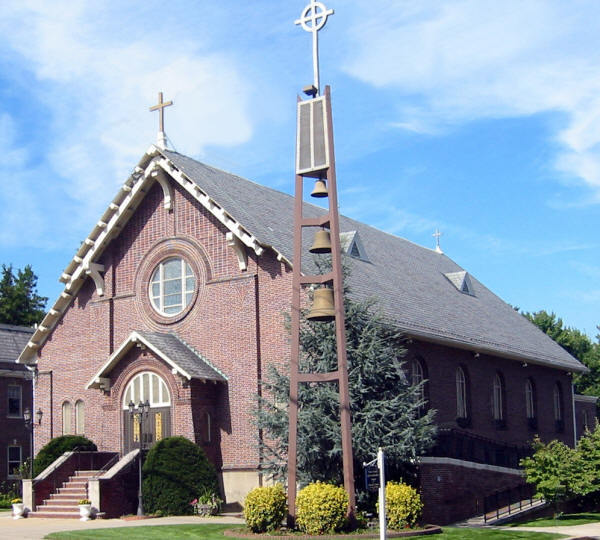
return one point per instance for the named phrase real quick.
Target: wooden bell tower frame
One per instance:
(323, 140)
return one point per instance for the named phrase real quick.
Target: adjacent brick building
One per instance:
(15, 397)
(178, 296)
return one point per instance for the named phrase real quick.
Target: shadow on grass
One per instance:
(562, 521)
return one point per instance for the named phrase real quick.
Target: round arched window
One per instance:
(147, 386)
(172, 286)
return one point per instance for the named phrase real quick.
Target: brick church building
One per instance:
(178, 296)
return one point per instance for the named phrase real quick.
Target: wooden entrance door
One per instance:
(156, 426)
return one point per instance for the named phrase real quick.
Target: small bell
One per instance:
(320, 189)
(321, 243)
(323, 309)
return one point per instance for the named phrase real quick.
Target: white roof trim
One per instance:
(133, 339)
(585, 399)
(110, 224)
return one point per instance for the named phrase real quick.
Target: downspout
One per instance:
(573, 407)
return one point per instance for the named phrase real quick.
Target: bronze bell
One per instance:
(321, 243)
(323, 309)
(320, 189)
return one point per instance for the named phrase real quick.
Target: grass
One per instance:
(563, 520)
(211, 532)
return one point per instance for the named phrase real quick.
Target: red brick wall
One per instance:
(222, 325)
(441, 364)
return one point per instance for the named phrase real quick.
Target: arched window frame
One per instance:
(462, 399)
(557, 401)
(418, 375)
(498, 400)
(530, 409)
(67, 418)
(208, 427)
(79, 417)
(147, 385)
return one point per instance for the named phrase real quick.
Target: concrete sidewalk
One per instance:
(37, 528)
(590, 530)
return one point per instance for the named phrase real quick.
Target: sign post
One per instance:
(375, 481)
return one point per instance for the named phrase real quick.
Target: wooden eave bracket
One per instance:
(212, 206)
(93, 270)
(240, 250)
(159, 176)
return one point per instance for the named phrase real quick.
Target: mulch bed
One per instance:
(428, 529)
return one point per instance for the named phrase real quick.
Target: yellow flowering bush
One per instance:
(321, 508)
(265, 508)
(403, 505)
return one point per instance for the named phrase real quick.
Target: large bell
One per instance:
(321, 243)
(323, 309)
(320, 189)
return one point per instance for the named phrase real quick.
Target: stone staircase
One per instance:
(63, 503)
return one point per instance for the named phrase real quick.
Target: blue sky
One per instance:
(480, 118)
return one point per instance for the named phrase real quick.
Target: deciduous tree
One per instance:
(19, 302)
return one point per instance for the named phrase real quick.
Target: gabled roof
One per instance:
(173, 350)
(12, 341)
(409, 281)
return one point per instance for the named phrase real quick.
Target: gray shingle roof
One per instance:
(407, 279)
(183, 355)
(12, 341)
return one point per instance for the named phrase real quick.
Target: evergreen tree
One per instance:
(19, 302)
(387, 410)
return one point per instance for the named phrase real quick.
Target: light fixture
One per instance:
(38, 416)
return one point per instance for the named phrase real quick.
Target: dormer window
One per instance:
(461, 281)
(352, 245)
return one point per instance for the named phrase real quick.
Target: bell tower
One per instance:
(315, 159)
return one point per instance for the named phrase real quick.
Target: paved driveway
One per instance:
(37, 528)
(591, 530)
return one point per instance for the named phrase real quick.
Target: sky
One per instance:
(479, 118)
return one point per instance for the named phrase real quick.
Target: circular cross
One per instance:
(315, 13)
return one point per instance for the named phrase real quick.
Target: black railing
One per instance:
(509, 501)
(453, 443)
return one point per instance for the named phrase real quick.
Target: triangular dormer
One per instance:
(461, 281)
(352, 245)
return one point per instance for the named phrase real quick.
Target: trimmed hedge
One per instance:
(49, 453)
(321, 508)
(176, 472)
(265, 508)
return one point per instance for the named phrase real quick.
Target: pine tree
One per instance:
(19, 302)
(387, 410)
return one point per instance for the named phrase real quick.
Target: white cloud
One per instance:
(488, 59)
(96, 77)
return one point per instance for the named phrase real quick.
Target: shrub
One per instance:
(403, 505)
(265, 508)
(321, 508)
(57, 447)
(176, 471)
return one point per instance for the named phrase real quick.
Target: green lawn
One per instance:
(210, 532)
(564, 520)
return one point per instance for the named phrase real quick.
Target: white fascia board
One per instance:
(211, 205)
(113, 359)
(160, 354)
(585, 399)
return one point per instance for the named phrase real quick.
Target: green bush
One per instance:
(265, 508)
(176, 472)
(321, 508)
(57, 447)
(403, 505)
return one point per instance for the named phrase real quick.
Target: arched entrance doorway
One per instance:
(146, 386)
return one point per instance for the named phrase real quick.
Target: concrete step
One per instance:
(60, 502)
(59, 515)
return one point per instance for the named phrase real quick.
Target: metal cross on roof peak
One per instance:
(160, 106)
(316, 14)
(437, 235)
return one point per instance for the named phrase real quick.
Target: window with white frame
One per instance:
(172, 286)
(15, 401)
(557, 403)
(14, 457)
(147, 386)
(586, 421)
(498, 398)
(79, 417)
(529, 399)
(67, 415)
(461, 393)
(207, 434)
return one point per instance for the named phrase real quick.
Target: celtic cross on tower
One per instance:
(313, 18)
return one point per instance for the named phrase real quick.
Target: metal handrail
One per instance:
(504, 504)
(107, 466)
